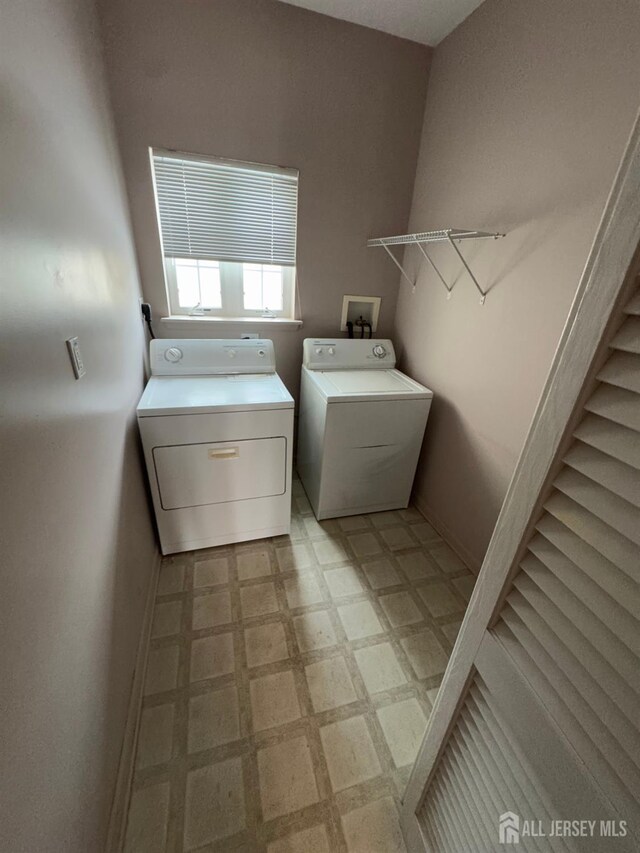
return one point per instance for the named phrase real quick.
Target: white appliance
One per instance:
(217, 429)
(361, 427)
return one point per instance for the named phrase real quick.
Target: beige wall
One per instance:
(529, 106)
(77, 542)
(259, 80)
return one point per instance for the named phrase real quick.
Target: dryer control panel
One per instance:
(191, 357)
(348, 354)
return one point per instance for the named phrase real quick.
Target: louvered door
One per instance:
(539, 712)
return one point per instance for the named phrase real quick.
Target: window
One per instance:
(228, 235)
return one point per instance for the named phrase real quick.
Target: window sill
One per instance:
(184, 321)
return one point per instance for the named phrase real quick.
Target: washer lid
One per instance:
(187, 395)
(352, 385)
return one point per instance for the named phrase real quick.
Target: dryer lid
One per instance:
(192, 395)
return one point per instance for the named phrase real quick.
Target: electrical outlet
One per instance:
(76, 357)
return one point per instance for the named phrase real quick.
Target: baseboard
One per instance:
(440, 527)
(118, 818)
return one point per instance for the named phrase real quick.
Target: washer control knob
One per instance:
(379, 351)
(173, 354)
(332, 351)
(261, 353)
(231, 353)
(318, 350)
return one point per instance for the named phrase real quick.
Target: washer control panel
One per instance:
(347, 354)
(186, 357)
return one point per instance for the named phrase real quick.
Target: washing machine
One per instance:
(361, 427)
(216, 423)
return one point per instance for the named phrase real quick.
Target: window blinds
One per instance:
(226, 211)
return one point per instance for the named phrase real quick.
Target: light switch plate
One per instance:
(76, 357)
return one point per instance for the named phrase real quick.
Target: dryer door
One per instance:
(191, 475)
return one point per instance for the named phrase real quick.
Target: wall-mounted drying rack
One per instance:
(445, 235)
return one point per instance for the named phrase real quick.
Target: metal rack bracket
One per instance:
(445, 235)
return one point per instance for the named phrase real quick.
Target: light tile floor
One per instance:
(288, 686)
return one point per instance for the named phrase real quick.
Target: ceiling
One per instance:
(425, 21)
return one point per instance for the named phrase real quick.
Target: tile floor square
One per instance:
(314, 631)
(350, 754)
(214, 719)
(162, 670)
(365, 544)
(155, 738)
(327, 551)
(380, 574)
(359, 620)
(287, 780)
(425, 654)
(439, 600)
(167, 619)
(312, 840)
(274, 700)
(265, 644)
(214, 803)
(451, 630)
(379, 667)
(410, 515)
(212, 610)
(258, 600)
(344, 581)
(401, 609)
(293, 557)
(465, 585)
(397, 538)
(319, 529)
(147, 823)
(387, 518)
(353, 522)
(416, 566)
(213, 572)
(330, 684)
(171, 579)
(447, 559)
(424, 532)
(403, 724)
(374, 827)
(253, 564)
(303, 590)
(212, 657)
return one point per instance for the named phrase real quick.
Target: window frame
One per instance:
(231, 272)
(232, 294)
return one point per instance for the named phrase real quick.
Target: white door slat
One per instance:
(559, 698)
(601, 586)
(475, 785)
(597, 533)
(616, 512)
(616, 405)
(582, 633)
(588, 703)
(628, 336)
(609, 473)
(617, 441)
(622, 369)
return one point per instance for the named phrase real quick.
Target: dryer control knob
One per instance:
(318, 350)
(173, 354)
(261, 353)
(379, 351)
(231, 353)
(332, 351)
